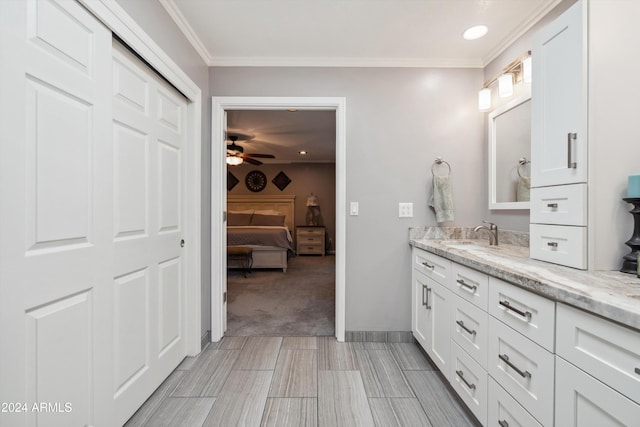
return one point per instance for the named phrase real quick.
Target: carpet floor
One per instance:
(268, 302)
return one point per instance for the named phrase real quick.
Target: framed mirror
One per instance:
(509, 154)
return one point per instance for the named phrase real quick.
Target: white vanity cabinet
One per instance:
(431, 306)
(580, 149)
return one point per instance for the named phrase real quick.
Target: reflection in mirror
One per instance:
(509, 153)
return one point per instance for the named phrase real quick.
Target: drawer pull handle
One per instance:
(425, 296)
(461, 375)
(429, 266)
(469, 331)
(472, 288)
(505, 359)
(310, 238)
(552, 205)
(571, 137)
(637, 371)
(525, 314)
(552, 244)
(503, 423)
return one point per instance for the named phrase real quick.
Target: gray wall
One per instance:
(155, 21)
(316, 178)
(398, 121)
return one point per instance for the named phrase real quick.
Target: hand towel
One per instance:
(524, 189)
(441, 199)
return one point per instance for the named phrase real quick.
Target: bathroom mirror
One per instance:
(509, 154)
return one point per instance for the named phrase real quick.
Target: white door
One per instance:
(55, 215)
(559, 102)
(149, 136)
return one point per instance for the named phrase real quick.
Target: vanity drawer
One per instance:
(530, 314)
(469, 329)
(503, 410)
(469, 380)
(559, 244)
(523, 368)
(433, 266)
(608, 351)
(471, 285)
(559, 205)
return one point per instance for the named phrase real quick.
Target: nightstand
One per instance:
(310, 240)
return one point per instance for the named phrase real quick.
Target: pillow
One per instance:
(268, 212)
(235, 219)
(269, 220)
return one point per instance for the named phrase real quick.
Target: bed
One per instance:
(264, 223)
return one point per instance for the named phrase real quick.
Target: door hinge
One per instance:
(224, 297)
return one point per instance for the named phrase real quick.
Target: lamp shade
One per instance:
(526, 69)
(484, 99)
(234, 161)
(505, 85)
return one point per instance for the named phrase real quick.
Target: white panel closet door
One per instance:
(55, 252)
(149, 137)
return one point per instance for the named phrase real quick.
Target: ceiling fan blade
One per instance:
(252, 161)
(260, 156)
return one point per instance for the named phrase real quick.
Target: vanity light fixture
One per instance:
(518, 71)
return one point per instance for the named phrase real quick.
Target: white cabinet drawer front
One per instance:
(503, 410)
(469, 380)
(609, 352)
(435, 267)
(522, 368)
(583, 401)
(471, 285)
(559, 244)
(559, 205)
(526, 312)
(469, 329)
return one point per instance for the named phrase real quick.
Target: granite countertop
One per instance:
(610, 294)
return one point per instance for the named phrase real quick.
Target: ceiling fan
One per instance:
(236, 155)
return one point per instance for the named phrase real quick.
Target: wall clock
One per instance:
(255, 181)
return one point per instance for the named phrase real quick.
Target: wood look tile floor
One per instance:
(304, 381)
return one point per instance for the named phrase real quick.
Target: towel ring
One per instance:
(439, 161)
(523, 161)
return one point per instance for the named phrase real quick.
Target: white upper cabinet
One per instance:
(559, 101)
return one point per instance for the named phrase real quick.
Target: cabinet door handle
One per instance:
(552, 205)
(461, 375)
(525, 314)
(426, 303)
(424, 289)
(429, 266)
(505, 359)
(472, 288)
(571, 136)
(503, 423)
(637, 371)
(469, 331)
(552, 244)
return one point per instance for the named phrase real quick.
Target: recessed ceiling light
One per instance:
(302, 153)
(292, 110)
(475, 32)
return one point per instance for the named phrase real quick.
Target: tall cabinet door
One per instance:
(559, 101)
(420, 312)
(439, 338)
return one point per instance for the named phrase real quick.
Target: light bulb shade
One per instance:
(484, 99)
(234, 161)
(526, 69)
(505, 85)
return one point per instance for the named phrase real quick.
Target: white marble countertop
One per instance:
(610, 294)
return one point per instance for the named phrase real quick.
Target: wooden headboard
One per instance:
(284, 204)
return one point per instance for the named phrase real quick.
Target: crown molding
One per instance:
(344, 62)
(182, 23)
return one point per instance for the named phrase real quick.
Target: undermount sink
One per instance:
(468, 245)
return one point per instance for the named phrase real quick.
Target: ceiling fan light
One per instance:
(234, 161)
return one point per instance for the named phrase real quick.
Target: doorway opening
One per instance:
(221, 106)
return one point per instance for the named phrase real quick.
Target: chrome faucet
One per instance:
(493, 232)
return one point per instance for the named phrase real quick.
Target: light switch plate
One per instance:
(405, 210)
(354, 209)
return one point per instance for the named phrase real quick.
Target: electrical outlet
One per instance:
(405, 210)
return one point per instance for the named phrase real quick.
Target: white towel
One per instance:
(523, 192)
(441, 199)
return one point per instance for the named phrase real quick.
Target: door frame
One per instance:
(219, 106)
(114, 17)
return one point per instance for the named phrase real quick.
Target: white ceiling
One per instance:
(354, 33)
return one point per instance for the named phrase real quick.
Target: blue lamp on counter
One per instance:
(630, 261)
